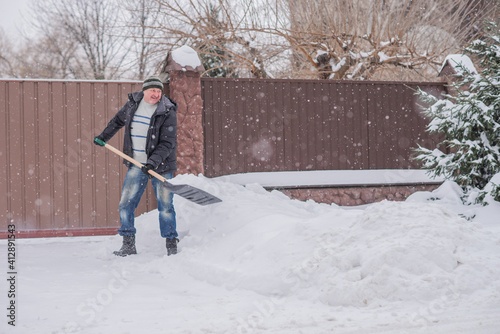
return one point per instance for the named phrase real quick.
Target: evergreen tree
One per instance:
(214, 64)
(469, 119)
(212, 51)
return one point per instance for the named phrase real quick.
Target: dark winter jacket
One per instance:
(161, 142)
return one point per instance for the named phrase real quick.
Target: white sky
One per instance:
(11, 15)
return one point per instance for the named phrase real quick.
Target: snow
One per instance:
(383, 57)
(186, 56)
(260, 262)
(337, 66)
(457, 60)
(320, 178)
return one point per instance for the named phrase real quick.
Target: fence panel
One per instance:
(52, 177)
(292, 125)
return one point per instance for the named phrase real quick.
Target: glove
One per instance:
(99, 141)
(146, 168)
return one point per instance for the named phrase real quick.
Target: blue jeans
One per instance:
(133, 187)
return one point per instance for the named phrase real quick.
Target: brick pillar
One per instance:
(185, 89)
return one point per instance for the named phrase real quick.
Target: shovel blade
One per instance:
(192, 194)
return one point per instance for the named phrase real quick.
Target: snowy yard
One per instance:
(262, 263)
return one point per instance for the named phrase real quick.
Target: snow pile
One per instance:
(459, 62)
(186, 56)
(384, 256)
(388, 252)
(492, 189)
(260, 262)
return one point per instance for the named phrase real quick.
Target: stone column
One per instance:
(185, 89)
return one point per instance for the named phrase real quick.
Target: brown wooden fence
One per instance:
(52, 178)
(54, 181)
(291, 125)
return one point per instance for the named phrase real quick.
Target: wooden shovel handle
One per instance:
(135, 162)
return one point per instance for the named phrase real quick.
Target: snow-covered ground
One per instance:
(261, 263)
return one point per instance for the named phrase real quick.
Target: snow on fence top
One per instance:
(333, 178)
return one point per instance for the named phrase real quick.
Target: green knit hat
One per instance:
(152, 82)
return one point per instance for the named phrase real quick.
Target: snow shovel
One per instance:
(190, 193)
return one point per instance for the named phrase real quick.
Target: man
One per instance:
(150, 137)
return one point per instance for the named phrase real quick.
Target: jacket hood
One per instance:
(136, 96)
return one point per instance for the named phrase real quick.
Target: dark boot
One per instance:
(128, 247)
(172, 246)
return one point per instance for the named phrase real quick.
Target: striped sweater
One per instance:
(139, 129)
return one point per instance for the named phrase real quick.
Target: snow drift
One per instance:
(260, 262)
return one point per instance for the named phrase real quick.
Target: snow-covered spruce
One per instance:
(469, 119)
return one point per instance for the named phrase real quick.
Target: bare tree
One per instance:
(338, 39)
(138, 21)
(6, 56)
(28, 60)
(222, 29)
(372, 39)
(327, 39)
(88, 24)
